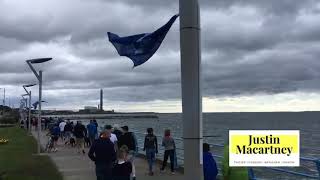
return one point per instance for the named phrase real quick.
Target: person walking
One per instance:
(122, 169)
(210, 170)
(46, 123)
(151, 148)
(97, 125)
(28, 123)
(102, 153)
(113, 137)
(95, 122)
(92, 131)
(117, 131)
(35, 123)
(61, 126)
(169, 146)
(68, 131)
(80, 132)
(55, 132)
(128, 139)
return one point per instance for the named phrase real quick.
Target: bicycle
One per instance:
(50, 144)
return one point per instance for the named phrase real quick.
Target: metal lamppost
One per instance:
(22, 101)
(29, 113)
(25, 102)
(4, 96)
(39, 77)
(190, 48)
(4, 99)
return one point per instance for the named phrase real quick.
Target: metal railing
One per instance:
(251, 171)
(313, 160)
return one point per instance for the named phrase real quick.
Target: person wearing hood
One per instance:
(151, 148)
(102, 153)
(129, 139)
(210, 170)
(92, 131)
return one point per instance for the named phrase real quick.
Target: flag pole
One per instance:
(191, 89)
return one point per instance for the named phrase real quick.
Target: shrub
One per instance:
(8, 120)
(10, 117)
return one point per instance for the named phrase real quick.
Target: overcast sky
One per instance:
(256, 55)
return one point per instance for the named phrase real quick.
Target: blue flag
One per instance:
(141, 47)
(35, 105)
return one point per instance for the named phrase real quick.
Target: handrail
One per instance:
(293, 172)
(250, 170)
(308, 159)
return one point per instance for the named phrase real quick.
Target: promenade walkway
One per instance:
(75, 166)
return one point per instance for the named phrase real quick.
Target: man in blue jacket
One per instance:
(92, 131)
(210, 170)
(103, 154)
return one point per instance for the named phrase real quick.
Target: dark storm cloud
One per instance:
(249, 47)
(270, 6)
(97, 74)
(9, 44)
(285, 69)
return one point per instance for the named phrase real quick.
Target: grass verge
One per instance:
(17, 160)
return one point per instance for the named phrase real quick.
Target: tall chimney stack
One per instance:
(101, 100)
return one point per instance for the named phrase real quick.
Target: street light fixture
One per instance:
(29, 85)
(39, 77)
(39, 60)
(29, 115)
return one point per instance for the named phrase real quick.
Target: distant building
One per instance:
(111, 111)
(101, 100)
(89, 109)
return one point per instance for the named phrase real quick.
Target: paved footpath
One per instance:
(75, 166)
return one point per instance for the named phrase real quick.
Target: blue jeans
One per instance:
(151, 157)
(92, 138)
(104, 171)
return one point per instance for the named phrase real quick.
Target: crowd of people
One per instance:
(114, 155)
(33, 124)
(113, 150)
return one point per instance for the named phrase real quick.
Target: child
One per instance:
(151, 148)
(169, 146)
(123, 168)
(210, 170)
